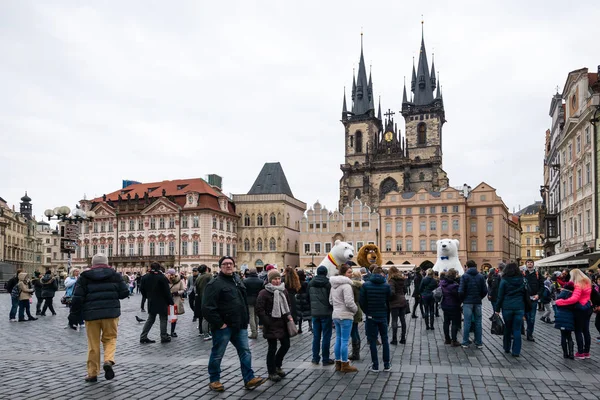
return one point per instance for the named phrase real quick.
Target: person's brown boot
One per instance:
(254, 382)
(216, 386)
(346, 367)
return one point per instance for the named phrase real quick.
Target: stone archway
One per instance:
(425, 265)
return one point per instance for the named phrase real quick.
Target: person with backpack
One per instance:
(24, 292)
(564, 320)
(545, 300)
(428, 285)
(14, 301)
(472, 289)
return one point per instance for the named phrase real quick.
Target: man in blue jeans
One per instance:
(471, 290)
(374, 300)
(535, 282)
(225, 308)
(14, 301)
(321, 311)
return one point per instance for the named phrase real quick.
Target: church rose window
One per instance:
(387, 186)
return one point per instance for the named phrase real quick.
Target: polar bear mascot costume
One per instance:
(447, 256)
(340, 253)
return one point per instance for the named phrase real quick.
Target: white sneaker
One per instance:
(388, 368)
(13, 320)
(371, 369)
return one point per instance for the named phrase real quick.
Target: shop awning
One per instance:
(545, 262)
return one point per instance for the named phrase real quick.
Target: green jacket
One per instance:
(201, 282)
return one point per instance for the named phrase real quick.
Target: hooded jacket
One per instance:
(318, 295)
(341, 297)
(177, 288)
(398, 288)
(511, 294)
(97, 294)
(253, 287)
(472, 287)
(155, 287)
(201, 282)
(564, 319)
(24, 286)
(49, 286)
(428, 285)
(450, 299)
(374, 297)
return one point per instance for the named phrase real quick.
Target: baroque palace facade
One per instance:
(180, 223)
(400, 179)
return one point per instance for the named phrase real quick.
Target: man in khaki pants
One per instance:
(97, 297)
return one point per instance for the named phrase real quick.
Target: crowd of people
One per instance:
(276, 304)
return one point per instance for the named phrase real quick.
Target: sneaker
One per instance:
(216, 386)
(328, 362)
(388, 368)
(579, 356)
(274, 377)
(373, 369)
(255, 382)
(82, 326)
(466, 345)
(479, 346)
(587, 355)
(145, 341)
(13, 320)
(280, 372)
(207, 337)
(174, 334)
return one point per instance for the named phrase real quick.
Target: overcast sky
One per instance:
(155, 90)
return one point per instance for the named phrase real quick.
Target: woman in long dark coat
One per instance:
(302, 303)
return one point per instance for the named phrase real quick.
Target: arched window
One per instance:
(272, 244)
(273, 219)
(357, 194)
(259, 220)
(246, 220)
(246, 245)
(421, 176)
(358, 141)
(421, 134)
(259, 245)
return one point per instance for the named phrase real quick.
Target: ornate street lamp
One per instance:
(62, 214)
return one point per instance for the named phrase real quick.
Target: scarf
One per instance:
(280, 304)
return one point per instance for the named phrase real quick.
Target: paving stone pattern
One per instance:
(42, 360)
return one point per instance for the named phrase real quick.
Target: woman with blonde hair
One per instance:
(582, 312)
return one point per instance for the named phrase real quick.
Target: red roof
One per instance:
(176, 188)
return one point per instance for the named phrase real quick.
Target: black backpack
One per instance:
(15, 292)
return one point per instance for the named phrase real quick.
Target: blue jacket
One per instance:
(374, 297)
(511, 294)
(472, 287)
(563, 316)
(427, 286)
(450, 301)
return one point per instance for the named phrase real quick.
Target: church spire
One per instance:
(413, 82)
(423, 90)
(344, 108)
(363, 100)
(438, 94)
(432, 79)
(379, 111)
(404, 92)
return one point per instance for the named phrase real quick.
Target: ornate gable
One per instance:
(104, 210)
(191, 199)
(161, 206)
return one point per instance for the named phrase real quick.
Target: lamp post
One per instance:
(313, 260)
(68, 238)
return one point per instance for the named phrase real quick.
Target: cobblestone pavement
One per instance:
(42, 360)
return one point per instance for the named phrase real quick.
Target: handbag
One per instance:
(291, 328)
(65, 300)
(497, 325)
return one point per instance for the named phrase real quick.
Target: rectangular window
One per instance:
(432, 225)
(579, 179)
(588, 218)
(537, 241)
(473, 226)
(184, 248)
(94, 250)
(161, 223)
(221, 249)
(408, 227)
(473, 211)
(95, 227)
(161, 248)
(473, 245)
(102, 227)
(110, 249)
(195, 221)
(214, 248)
(588, 173)
(580, 224)
(421, 210)
(122, 225)
(388, 227)
(489, 211)
(140, 249)
(578, 144)
(432, 245)
(444, 225)
(141, 224)
(152, 249)
(408, 245)
(454, 224)
(348, 225)
(398, 245)
(110, 226)
(122, 249)
(184, 221)
(490, 245)
(221, 224)
(398, 226)
(431, 210)
(131, 250)
(528, 253)
(422, 226)
(444, 209)
(227, 249)
(86, 251)
(388, 211)
(152, 223)
(318, 248)
(131, 224)
(171, 248)
(307, 247)
(454, 209)
(569, 152)
(408, 211)
(570, 184)
(388, 245)
(588, 139)
(328, 247)
(195, 247)
(490, 226)
(528, 241)
(398, 211)
(171, 223)
(356, 224)
(422, 245)
(538, 253)
(358, 246)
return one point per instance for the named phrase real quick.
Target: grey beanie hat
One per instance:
(100, 258)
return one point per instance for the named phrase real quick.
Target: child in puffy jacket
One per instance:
(565, 321)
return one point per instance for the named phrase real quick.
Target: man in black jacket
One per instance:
(8, 286)
(155, 287)
(535, 281)
(253, 286)
(96, 298)
(225, 308)
(321, 311)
